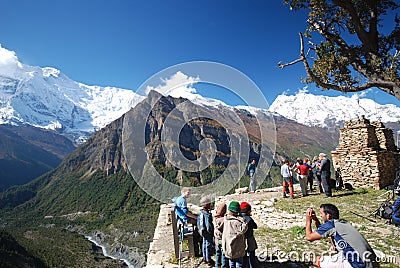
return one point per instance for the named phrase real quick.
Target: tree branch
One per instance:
(283, 65)
(368, 39)
(380, 84)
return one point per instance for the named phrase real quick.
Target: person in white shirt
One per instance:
(287, 179)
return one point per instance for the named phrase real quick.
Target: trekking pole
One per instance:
(385, 193)
(362, 216)
(180, 244)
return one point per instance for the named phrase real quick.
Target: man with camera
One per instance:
(351, 247)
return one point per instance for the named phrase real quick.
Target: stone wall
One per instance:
(162, 247)
(366, 154)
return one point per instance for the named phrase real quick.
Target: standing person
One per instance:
(295, 168)
(303, 171)
(352, 248)
(287, 179)
(317, 173)
(185, 216)
(310, 177)
(396, 209)
(220, 212)
(233, 240)
(206, 230)
(249, 260)
(251, 168)
(325, 174)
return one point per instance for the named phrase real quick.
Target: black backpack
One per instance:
(385, 210)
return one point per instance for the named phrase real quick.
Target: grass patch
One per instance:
(356, 206)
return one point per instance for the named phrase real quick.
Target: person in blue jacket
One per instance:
(185, 216)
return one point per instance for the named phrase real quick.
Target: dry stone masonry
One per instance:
(262, 202)
(366, 155)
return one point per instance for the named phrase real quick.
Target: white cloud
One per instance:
(8, 62)
(303, 90)
(181, 85)
(362, 94)
(178, 85)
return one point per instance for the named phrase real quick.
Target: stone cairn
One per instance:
(366, 155)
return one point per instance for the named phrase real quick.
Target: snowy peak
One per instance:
(324, 111)
(46, 98)
(50, 71)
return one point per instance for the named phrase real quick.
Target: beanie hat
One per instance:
(220, 209)
(245, 207)
(234, 207)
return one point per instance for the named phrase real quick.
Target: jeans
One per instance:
(253, 184)
(236, 263)
(207, 249)
(318, 176)
(325, 177)
(310, 180)
(250, 259)
(395, 220)
(220, 259)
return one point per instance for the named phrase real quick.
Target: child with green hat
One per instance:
(233, 240)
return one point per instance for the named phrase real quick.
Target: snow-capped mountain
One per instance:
(324, 111)
(46, 98)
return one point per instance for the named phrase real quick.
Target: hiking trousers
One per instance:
(287, 183)
(325, 177)
(303, 184)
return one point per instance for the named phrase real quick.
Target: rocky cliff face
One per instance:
(104, 150)
(100, 152)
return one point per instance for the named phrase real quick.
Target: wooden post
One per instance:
(190, 244)
(175, 233)
(188, 237)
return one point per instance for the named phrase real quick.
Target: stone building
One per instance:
(366, 154)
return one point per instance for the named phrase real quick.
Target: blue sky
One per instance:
(123, 43)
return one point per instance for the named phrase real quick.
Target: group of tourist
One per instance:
(229, 234)
(306, 172)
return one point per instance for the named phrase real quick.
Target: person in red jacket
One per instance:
(303, 170)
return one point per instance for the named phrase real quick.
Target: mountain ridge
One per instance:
(331, 112)
(28, 152)
(47, 98)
